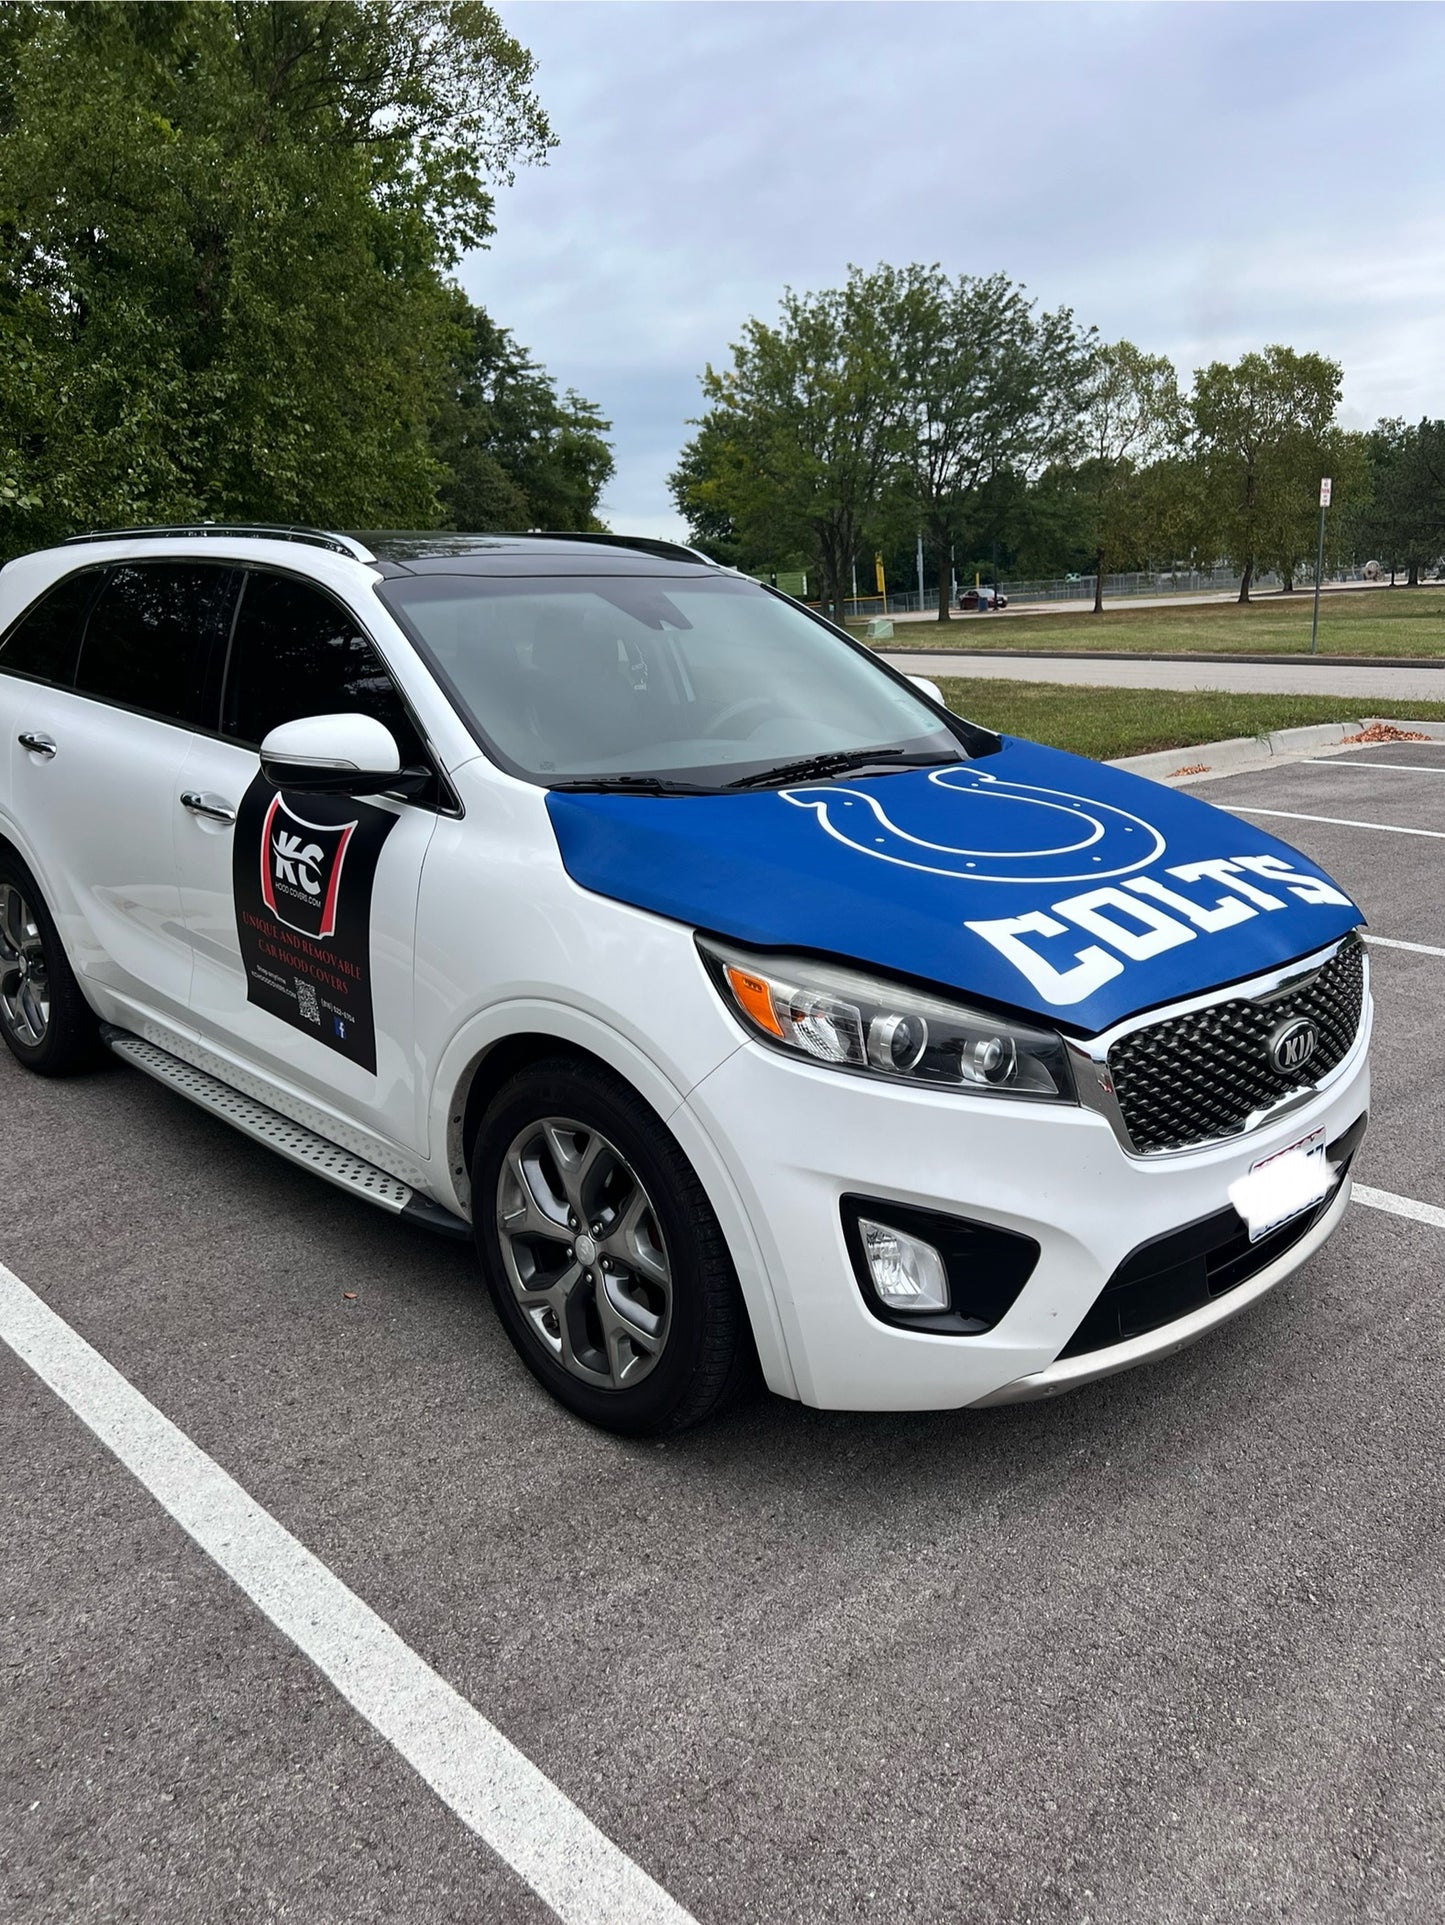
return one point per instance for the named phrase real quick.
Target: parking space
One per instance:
(1164, 1650)
(1348, 812)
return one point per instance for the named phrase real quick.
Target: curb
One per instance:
(1207, 761)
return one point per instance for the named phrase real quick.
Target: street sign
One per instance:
(1319, 565)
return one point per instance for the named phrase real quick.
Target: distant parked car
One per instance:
(981, 600)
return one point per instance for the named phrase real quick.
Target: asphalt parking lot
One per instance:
(1165, 1650)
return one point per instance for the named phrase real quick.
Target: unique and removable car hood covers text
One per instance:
(1031, 878)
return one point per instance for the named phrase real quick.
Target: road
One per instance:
(1374, 685)
(1164, 1652)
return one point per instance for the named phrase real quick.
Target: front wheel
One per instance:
(602, 1254)
(45, 1020)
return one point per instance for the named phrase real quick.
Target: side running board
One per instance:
(256, 1119)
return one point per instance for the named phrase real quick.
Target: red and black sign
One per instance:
(302, 870)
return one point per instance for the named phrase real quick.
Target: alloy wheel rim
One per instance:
(584, 1253)
(24, 977)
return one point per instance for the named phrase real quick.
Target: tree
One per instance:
(804, 429)
(1260, 428)
(1404, 522)
(990, 389)
(235, 305)
(1130, 419)
(698, 490)
(515, 454)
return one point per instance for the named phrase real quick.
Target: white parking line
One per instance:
(1347, 762)
(1392, 942)
(1405, 1206)
(1339, 821)
(494, 1790)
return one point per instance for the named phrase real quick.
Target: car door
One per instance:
(97, 746)
(300, 910)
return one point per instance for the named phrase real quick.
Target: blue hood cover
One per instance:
(1030, 878)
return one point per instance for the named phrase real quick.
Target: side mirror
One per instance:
(930, 689)
(335, 755)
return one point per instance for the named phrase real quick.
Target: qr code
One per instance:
(306, 1002)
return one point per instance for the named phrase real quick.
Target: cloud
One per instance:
(1201, 179)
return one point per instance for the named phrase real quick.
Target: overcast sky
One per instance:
(1200, 178)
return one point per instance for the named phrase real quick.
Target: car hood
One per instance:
(1029, 878)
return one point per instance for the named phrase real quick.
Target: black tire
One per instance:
(70, 1038)
(705, 1350)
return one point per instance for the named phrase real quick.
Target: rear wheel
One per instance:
(46, 1022)
(602, 1254)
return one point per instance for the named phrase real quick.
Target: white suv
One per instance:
(576, 894)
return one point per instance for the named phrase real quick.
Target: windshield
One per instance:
(704, 681)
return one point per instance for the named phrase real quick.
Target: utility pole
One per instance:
(1319, 564)
(920, 571)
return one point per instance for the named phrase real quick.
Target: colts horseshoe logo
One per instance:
(1015, 831)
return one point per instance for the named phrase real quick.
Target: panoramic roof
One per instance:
(438, 551)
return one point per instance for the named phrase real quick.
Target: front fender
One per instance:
(529, 1016)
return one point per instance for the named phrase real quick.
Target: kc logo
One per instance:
(301, 864)
(296, 861)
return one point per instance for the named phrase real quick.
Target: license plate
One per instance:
(1282, 1185)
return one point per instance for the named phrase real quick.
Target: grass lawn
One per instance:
(1356, 621)
(1105, 722)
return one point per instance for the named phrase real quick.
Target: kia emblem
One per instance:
(1292, 1044)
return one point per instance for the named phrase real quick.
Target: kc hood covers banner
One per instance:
(1030, 878)
(302, 871)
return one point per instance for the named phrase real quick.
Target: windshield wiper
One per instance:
(630, 785)
(813, 768)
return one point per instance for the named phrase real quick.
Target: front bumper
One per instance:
(797, 1139)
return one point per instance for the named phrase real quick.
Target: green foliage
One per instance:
(1131, 419)
(699, 489)
(804, 430)
(224, 228)
(899, 403)
(1402, 524)
(515, 454)
(989, 390)
(1262, 432)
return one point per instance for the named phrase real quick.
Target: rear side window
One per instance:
(151, 634)
(296, 652)
(45, 641)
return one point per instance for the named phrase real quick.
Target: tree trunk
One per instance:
(945, 583)
(1099, 583)
(1412, 580)
(1248, 577)
(1288, 581)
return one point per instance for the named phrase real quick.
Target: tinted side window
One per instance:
(296, 652)
(150, 634)
(45, 641)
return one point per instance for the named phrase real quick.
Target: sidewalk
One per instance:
(1409, 682)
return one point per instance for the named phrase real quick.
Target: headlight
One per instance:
(850, 1020)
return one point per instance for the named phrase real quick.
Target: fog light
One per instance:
(907, 1273)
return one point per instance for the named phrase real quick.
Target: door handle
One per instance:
(37, 744)
(210, 806)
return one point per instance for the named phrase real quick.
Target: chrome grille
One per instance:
(1192, 1078)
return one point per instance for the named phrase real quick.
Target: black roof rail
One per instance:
(346, 545)
(643, 544)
